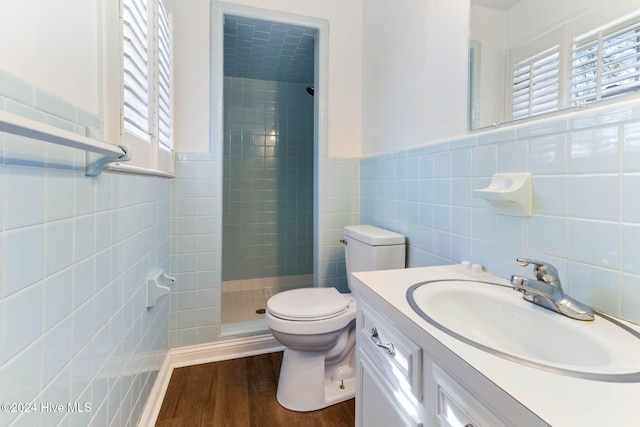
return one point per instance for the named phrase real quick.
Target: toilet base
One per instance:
(302, 385)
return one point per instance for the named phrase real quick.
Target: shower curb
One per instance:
(196, 355)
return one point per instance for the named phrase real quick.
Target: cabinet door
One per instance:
(378, 404)
(457, 407)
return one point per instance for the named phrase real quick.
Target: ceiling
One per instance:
(495, 4)
(265, 50)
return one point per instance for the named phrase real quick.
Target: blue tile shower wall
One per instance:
(267, 179)
(586, 210)
(75, 252)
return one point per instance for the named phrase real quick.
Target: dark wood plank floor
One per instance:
(239, 392)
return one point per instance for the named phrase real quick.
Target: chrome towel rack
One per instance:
(18, 125)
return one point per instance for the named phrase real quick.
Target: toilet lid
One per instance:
(308, 304)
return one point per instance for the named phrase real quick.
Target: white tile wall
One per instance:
(337, 205)
(196, 245)
(586, 214)
(196, 255)
(74, 254)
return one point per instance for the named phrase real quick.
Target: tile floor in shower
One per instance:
(244, 300)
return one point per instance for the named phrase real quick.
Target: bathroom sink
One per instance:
(494, 318)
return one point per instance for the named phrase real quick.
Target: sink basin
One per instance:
(494, 318)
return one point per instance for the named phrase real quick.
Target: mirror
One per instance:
(533, 57)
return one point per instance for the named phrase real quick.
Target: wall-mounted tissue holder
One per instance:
(508, 193)
(158, 285)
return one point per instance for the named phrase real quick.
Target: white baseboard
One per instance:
(197, 354)
(224, 350)
(156, 396)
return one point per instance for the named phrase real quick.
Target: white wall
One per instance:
(191, 26)
(414, 72)
(191, 75)
(53, 45)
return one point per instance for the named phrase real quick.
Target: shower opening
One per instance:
(268, 166)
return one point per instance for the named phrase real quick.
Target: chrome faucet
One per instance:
(545, 290)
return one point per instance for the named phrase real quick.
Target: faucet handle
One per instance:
(543, 271)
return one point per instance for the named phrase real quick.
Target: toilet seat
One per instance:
(308, 304)
(310, 311)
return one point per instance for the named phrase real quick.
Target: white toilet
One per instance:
(317, 325)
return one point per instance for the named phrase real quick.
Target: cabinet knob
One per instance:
(376, 340)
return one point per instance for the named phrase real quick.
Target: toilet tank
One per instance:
(369, 248)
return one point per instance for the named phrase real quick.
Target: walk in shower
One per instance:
(268, 164)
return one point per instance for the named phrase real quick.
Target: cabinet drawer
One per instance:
(456, 406)
(399, 358)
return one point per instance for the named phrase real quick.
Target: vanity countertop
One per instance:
(556, 399)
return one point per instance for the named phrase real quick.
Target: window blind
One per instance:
(536, 83)
(606, 63)
(165, 113)
(135, 30)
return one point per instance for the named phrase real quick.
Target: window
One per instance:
(559, 70)
(606, 63)
(146, 107)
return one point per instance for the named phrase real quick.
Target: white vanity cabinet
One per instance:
(434, 379)
(401, 383)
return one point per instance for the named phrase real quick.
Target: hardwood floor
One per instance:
(239, 392)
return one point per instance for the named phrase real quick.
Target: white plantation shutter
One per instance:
(559, 70)
(536, 84)
(606, 63)
(135, 48)
(165, 111)
(147, 83)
